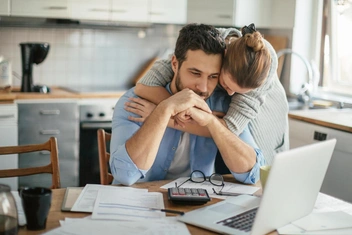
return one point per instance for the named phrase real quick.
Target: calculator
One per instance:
(188, 196)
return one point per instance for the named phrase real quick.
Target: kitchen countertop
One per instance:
(340, 119)
(56, 93)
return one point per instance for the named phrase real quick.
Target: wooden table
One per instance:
(56, 214)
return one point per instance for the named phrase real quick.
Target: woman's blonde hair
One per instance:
(248, 60)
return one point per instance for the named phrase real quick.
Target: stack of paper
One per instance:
(88, 226)
(122, 210)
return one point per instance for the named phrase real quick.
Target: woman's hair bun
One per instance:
(254, 40)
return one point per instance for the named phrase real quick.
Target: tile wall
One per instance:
(88, 57)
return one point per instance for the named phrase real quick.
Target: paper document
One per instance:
(295, 230)
(330, 215)
(327, 203)
(128, 205)
(229, 187)
(324, 221)
(93, 227)
(85, 201)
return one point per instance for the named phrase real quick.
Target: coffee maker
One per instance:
(32, 53)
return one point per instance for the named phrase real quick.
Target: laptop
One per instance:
(290, 193)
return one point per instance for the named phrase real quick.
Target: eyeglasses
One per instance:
(198, 176)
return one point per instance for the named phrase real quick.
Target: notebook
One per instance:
(290, 193)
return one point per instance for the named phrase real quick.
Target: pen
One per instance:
(173, 211)
(116, 205)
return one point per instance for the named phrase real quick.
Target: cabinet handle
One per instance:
(49, 132)
(7, 116)
(99, 10)
(118, 11)
(44, 152)
(156, 13)
(50, 112)
(55, 8)
(224, 16)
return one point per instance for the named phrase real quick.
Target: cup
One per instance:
(36, 204)
(264, 173)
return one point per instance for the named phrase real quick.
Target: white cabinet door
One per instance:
(9, 137)
(129, 10)
(265, 13)
(89, 9)
(213, 12)
(5, 7)
(169, 12)
(40, 8)
(337, 181)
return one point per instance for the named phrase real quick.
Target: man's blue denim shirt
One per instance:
(202, 150)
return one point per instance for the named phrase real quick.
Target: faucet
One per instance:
(305, 94)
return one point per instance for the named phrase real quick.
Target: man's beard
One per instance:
(180, 87)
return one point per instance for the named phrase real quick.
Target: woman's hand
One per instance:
(139, 106)
(181, 118)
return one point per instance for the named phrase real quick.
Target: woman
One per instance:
(249, 76)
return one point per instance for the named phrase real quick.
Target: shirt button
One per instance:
(173, 148)
(165, 170)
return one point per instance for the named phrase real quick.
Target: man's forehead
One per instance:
(198, 59)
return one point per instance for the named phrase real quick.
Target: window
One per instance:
(337, 73)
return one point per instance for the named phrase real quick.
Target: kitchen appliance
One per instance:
(5, 74)
(32, 53)
(94, 114)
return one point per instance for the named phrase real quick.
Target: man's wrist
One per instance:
(164, 108)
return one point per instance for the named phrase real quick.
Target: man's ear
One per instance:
(174, 63)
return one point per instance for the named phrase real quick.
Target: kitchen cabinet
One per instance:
(39, 120)
(40, 8)
(4, 7)
(129, 10)
(170, 12)
(338, 178)
(264, 13)
(89, 9)
(214, 12)
(9, 137)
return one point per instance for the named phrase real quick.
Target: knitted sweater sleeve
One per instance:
(160, 74)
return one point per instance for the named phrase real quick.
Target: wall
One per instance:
(88, 57)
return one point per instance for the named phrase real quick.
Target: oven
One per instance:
(94, 114)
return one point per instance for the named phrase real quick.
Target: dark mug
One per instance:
(36, 204)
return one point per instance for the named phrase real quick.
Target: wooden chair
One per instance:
(52, 168)
(104, 157)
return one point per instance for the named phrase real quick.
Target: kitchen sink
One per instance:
(296, 105)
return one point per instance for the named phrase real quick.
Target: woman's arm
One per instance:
(143, 108)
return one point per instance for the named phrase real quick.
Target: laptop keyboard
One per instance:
(242, 221)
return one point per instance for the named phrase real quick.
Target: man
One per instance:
(153, 151)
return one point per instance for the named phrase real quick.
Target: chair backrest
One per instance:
(52, 167)
(104, 157)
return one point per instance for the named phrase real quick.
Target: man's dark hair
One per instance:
(198, 37)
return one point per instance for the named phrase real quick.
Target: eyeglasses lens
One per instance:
(216, 179)
(197, 176)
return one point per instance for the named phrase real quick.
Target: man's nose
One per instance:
(202, 85)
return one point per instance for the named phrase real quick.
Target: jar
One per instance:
(8, 212)
(5, 74)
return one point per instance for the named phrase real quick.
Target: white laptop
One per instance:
(290, 193)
